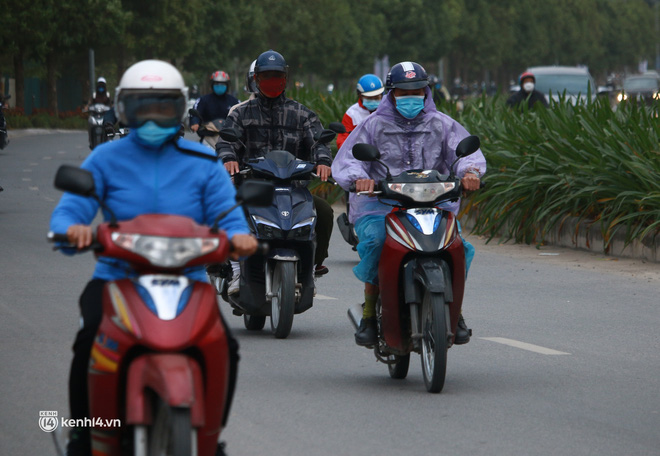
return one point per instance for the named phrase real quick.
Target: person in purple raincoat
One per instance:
(410, 133)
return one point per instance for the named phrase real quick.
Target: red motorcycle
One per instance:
(160, 360)
(421, 271)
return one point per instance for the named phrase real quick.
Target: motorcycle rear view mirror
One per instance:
(253, 193)
(195, 113)
(366, 152)
(337, 127)
(256, 193)
(229, 135)
(325, 136)
(80, 182)
(468, 146)
(75, 180)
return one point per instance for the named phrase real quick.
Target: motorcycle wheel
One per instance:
(434, 341)
(254, 323)
(284, 299)
(399, 369)
(171, 433)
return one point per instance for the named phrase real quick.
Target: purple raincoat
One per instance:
(426, 142)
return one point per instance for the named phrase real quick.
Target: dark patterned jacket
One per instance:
(266, 124)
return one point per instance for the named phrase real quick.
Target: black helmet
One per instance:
(408, 76)
(270, 61)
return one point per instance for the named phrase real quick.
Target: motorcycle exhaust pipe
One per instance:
(355, 315)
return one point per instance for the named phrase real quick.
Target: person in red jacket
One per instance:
(370, 92)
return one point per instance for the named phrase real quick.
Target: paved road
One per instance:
(565, 358)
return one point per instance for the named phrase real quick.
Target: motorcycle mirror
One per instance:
(468, 146)
(365, 152)
(337, 127)
(195, 113)
(75, 180)
(229, 135)
(256, 193)
(253, 193)
(81, 182)
(326, 136)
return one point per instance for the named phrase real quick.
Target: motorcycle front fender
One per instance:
(432, 274)
(175, 378)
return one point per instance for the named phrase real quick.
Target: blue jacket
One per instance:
(133, 179)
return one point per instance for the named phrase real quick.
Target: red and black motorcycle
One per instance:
(160, 360)
(421, 271)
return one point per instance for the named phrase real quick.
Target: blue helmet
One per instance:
(270, 61)
(370, 85)
(408, 76)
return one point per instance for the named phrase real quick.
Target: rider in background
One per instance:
(143, 174)
(410, 133)
(216, 104)
(271, 121)
(370, 91)
(527, 93)
(101, 95)
(250, 86)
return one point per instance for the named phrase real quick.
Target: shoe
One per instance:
(79, 443)
(367, 334)
(320, 270)
(220, 449)
(233, 285)
(463, 333)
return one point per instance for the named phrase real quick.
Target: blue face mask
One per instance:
(371, 105)
(219, 89)
(410, 106)
(151, 134)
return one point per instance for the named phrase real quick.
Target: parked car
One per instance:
(555, 81)
(644, 87)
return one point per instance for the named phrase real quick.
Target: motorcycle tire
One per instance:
(399, 368)
(170, 432)
(283, 302)
(434, 341)
(254, 323)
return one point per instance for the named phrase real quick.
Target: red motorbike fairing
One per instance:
(136, 354)
(391, 291)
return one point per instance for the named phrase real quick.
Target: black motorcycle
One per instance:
(279, 283)
(4, 137)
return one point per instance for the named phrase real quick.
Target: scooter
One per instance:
(279, 284)
(4, 137)
(421, 271)
(160, 360)
(97, 133)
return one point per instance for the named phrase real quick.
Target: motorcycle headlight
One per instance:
(622, 96)
(423, 192)
(165, 252)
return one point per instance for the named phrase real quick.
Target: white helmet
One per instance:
(151, 90)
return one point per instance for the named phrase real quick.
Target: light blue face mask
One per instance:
(151, 134)
(219, 89)
(410, 106)
(371, 105)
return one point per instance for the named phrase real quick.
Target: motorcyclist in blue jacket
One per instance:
(216, 104)
(152, 170)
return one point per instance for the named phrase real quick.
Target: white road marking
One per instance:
(320, 296)
(34, 188)
(26, 179)
(525, 346)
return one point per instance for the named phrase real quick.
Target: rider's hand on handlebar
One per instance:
(364, 185)
(323, 172)
(194, 128)
(244, 245)
(80, 235)
(232, 167)
(470, 182)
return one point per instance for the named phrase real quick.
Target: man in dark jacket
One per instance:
(272, 121)
(527, 93)
(216, 104)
